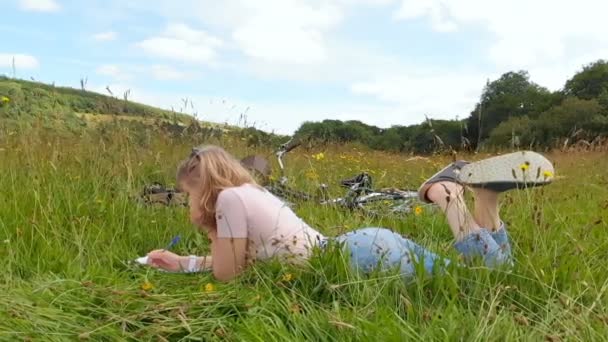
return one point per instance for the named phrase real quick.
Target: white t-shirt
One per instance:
(273, 229)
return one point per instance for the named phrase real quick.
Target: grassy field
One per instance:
(69, 221)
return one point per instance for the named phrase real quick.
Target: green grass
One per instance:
(69, 221)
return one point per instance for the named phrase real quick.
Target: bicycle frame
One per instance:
(363, 186)
(359, 191)
(284, 149)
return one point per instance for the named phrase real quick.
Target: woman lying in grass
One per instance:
(246, 223)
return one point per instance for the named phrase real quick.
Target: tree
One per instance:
(574, 119)
(447, 133)
(396, 138)
(338, 131)
(514, 132)
(590, 83)
(512, 95)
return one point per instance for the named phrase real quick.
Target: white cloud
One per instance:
(21, 61)
(165, 73)
(435, 10)
(113, 71)
(436, 93)
(105, 36)
(527, 33)
(108, 70)
(271, 31)
(39, 5)
(181, 43)
(295, 47)
(286, 31)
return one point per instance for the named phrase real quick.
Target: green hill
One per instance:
(25, 102)
(25, 99)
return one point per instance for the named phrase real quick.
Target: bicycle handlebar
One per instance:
(285, 148)
(290, 145)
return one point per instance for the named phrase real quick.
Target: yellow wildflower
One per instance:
(524, 166)
(319, 156)
(209, 287)
(5, 99)
(418, 210)
(147, 286)
(547, 174)
(287, 277)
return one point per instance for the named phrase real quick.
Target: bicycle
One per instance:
(360, 194)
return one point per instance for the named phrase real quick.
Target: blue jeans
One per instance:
(372, 248)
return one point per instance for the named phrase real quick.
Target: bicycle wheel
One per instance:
(288, 195)
(383, 203)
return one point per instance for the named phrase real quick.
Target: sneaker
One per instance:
(516, 170)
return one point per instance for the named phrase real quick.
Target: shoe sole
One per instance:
(510, 171)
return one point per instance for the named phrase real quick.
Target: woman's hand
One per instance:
(166, 260)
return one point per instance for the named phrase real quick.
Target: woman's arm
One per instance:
(196, 263)
(172, 262)
(229, 238)
(228, 256)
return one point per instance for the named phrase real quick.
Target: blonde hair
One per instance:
(210, 169)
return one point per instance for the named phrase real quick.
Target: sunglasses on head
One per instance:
(195, 152)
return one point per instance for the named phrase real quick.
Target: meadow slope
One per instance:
(69, 219)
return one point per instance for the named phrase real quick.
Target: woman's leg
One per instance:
(449, 196)
(487, 215)
(488, 177)
(486, 212)
(471, 239)
(373, 248)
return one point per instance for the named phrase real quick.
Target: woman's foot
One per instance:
(501, 173)
(449, 197)
(447, 174)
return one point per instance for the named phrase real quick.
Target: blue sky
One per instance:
(281, 62)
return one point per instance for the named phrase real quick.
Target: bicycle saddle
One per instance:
(156, 193)
(362, 180)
